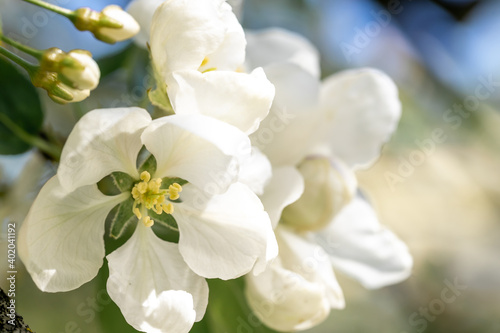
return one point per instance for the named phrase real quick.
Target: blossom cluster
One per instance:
(254, 172)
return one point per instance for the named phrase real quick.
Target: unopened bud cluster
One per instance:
(67, 77)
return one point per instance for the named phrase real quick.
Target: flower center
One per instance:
(149, 195)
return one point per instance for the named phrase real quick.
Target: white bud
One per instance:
(81, 70)
(328, 187)
(129, 29)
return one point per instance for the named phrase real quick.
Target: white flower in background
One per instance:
(198, 50)
(328, 130)
(224, 231)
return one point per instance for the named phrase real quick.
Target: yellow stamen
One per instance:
(145, 176)
(147, 221)
(168, 208)
(148, 194)
(204, 62)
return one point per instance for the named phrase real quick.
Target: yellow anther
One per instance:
(142, 187)
(145, 176)
(173, 191)
(168, 208)
(210, 69)
(147, 221)
(176, 186)
(137, 213)
(204, 62)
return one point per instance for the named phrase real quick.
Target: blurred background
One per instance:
(442, 197)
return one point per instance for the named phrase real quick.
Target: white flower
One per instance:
(335, 127)
(223, 229)
(198, 49)
(129, 26)
(81, 70)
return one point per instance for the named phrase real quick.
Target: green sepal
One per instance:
(21, 115)
(159, 98)
(164, 219)
(124, 217)
(123, 181)
(148, 165)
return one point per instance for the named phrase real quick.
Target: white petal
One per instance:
(152, 285)
(362, 109)
(360, 247)
(255, 171)
(287, 134)
(239, 99)
(276, 45)
(223, 236)
(299, 288)
(286, 186)
(199, 149)
(103, 141)
(62, 236)
(142, 11)
(185, 32)
(230, 55)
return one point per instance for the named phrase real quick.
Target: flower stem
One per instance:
(29, 67)
(56, 9)
(45, 146)
(24, 48)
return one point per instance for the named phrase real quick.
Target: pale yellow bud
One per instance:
(327, 189)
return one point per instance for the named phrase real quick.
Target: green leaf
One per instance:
(123, 218)
(20, 112)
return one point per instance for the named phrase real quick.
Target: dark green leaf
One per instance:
(19, 105)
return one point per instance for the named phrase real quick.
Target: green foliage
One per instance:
(21, 114)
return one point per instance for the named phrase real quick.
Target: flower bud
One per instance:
(111, 25)
(328, 187)
(129, 28)
(57, 90)
(80, 70)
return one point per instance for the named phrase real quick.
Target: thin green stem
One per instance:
(56, 9)
(47, 147)
(26, 49)
(29, 67)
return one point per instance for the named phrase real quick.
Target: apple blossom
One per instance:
(198, 51)
(223, 230)
(337, 126)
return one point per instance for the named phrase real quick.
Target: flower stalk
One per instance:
(48, 148)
